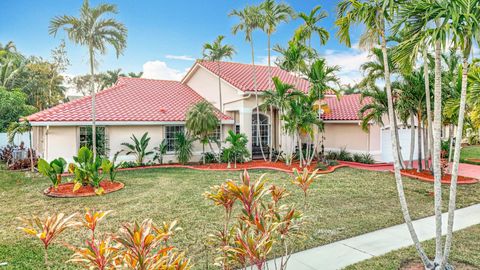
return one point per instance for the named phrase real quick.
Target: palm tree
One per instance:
(373, 70)
(375, 109)
(321, 77)
(466, 31)
(310, 27)
(94, 31)
(238, 145)
(110, 77)
(294, 58)
(431, 22)
(273, 14)
(374, 14)
(19, 128)
(216, 52)
(250, 19)
(202, 122)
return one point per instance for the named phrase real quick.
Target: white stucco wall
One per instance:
(61, 142)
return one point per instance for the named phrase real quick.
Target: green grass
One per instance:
(470, 152)
(465, 250)
(343, 204)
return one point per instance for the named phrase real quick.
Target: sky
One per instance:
(166, 36)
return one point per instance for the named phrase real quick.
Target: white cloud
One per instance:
(161, 71)
(180, 57)
(349, 61)
(263, 60)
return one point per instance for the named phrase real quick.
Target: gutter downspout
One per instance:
(46, 142)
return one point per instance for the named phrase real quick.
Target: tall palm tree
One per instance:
(373, 69)
(273, 14)
(202, 122)
(93, 30)
(293, 58)
(375, 109)
(216, 52)
(310, 27)
(250, 19)
(466, 31)
(431, 22)
(374, 15)
(321, 78)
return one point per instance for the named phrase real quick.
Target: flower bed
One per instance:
(428, 177)
(255, 164)
(65, 190)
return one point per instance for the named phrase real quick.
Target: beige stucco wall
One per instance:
(352, 137)
(205, 83)
(60, 142)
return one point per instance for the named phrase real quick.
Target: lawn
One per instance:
(465, 250)
(343, 204)
(470, 152)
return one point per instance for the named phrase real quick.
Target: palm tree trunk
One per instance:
(437, 173)
(412, 140)
(256, 99)
(299, 141)
(92, 91)
(271, 107)
(450, 139)
(419, 138)
(399, 148)
(429, 108)
(31, 150)
(396, 158)
(203, 153)
(220, 105)
(456, 159)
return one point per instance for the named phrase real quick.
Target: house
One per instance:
(136, 106)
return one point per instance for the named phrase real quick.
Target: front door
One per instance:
(264, 139)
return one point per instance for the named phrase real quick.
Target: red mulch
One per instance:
(474, 159)
(65, 190)
(417, 265)
(255, 164)
(446, 179)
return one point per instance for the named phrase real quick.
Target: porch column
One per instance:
(245, 121)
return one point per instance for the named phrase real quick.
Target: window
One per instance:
(170, 136)
(237, 128)
(264, 137)
(216, 134)
(86, 139)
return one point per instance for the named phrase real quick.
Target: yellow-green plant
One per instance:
(52, 170)
(91, 219)
(304, 180)
(262, 223)
(98, 255)
(142, 247)
(47, 229)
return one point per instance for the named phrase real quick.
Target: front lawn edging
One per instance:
(461, 179)
(67, 191)
(364, 164)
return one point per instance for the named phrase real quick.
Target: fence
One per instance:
(16, 141)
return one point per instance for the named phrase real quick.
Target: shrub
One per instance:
(367, 158)
(183, 147)
(344, 155)
(237, 151)
(138, 148)
(110, 168)
(331, 162)
(332, 155)
(6, 154)
(322, 166)
(209, 157)
(160, 151)
(53, 170)
(128, 164)
(357, 157)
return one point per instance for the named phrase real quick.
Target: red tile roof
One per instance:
(240, 75)
(344, 109)
(131, 99)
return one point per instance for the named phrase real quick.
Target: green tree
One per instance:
(310, 27)
(374, 15)
(96, 32)
(321, 78)
(216, 52)
(250, 18)
(375, 108)
(13, 106)
(274, 14)
(238, 146)
(202, 122)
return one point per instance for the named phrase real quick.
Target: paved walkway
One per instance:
(464, 169)
(340, 254)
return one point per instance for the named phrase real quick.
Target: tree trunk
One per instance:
(450, 139)
(271, 107)
(32, 167)
(203, 153)
(256, 100)
(412, 140)
(419, 138)
(299, 140)
(92, 91)
(437, 173)
(429, 108)
(456, 159)
(396, 158)
(220, 105)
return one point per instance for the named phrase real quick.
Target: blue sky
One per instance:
(164, 36)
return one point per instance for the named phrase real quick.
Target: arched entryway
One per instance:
(264, 138)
